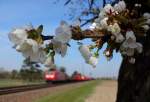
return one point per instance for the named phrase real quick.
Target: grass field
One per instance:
(73, 95)
(9, 82)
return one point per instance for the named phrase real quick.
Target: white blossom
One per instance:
(117, 8)
(63, 49)
(93, 26)
(63, 33)
(93, 61)
(139, 48)
(49, 62)
(85, 52)
(87, 55)
(146, 27)
(59, 47)
(146, 15)
(109, 9)
(107, 53)
(119, 38)
(104, 23)
(130, 45)
(132, 60)
(148, 21)
(122, 5)
(130, 34)
(102, 14)
(114, 29)
(137, 5)
(18, 36)
(28, 44)
(30, 49)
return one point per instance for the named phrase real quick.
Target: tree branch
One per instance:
(104, 3)
(67, 2)
(89, 21)
(46, 37)
(78, 34)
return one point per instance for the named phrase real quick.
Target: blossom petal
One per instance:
(114, 29)
(17, 36)
(85, 52)
(118, 8)
(103, 23)
(93, 26)
(132, 60)
(93, 61)
(34, 45)
(139, 47)
(108, 9)
(59, 47)
(49, 62)
(63, 33)
(130, 34)
(122, 4)
(146, 27)
(63, 49)
(146, 15)
(119, 38)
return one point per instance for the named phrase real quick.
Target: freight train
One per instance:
(55, 75)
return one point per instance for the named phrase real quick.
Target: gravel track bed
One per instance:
(31, 96)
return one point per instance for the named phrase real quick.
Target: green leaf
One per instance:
(96, 54)
(40, 29)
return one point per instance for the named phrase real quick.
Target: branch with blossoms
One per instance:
(116, 25)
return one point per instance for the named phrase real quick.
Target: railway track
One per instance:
(15, 89)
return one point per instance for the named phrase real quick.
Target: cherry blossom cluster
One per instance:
(29, 42)
(116, 25)
(122, 26)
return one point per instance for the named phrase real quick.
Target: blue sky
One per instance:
(16, 13)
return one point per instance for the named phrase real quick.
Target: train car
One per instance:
(78, 77)
(55, 75)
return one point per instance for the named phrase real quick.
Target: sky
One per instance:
(18, 13)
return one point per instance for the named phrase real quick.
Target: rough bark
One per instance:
(134, 79)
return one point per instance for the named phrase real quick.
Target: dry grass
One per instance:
(105, 92)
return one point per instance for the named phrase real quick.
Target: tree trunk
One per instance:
(134, 79)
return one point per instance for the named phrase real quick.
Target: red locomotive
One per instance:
(55, 75)
(79, 77)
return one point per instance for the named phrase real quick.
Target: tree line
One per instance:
(25, 74)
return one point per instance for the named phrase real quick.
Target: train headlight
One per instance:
(49, 76)
(82, 77)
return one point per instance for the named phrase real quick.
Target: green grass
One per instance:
(9, 82)
(73, 95)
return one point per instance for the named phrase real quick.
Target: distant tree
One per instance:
(14, 74)
(31, 71)
(63, 69)
(4, 74)
(31, 74)
(75, 73)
